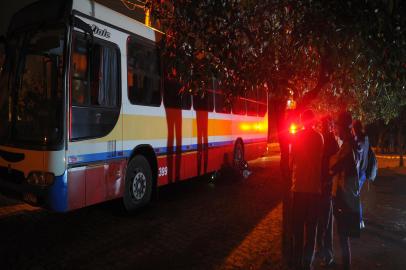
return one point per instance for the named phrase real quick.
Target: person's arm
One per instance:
(337, 161)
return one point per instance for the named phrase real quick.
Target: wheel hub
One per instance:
(139, 186)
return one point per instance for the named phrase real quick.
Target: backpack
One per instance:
(372, 167)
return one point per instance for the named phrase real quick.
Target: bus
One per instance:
(87, 114)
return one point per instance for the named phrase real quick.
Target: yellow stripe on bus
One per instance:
(142, 127)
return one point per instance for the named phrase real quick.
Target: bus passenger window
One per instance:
(95, 87)
(174, 95)
(204, 101)
(143, 74)
(239, 105)
(262, 101)
(105, 78)
(223, 104)
(252, 102)
(222, 101)
(79, 73)
(102, 88)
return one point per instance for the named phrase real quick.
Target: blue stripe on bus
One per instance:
(58, 194)
(86, 158)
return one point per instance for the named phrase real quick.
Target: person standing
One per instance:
(307, 151)
(362, 143)
(325, 222)
(343, 165)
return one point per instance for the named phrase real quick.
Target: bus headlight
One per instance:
(40, 178)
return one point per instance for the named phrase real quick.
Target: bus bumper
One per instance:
(53, 197)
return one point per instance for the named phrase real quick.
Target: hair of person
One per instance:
(358, 128)
(326, 122)
(344, 120)
(307, 118)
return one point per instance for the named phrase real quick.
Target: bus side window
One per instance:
(239, 105)
(95, 87)
(262, 101)
(252, 102)
(222, 103)
(102, 88)
(143, 73)
(174, 95)
(80, 73)
(204, 101)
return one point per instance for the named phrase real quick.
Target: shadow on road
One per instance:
(193, 225)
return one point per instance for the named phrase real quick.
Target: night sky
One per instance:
(7, 9)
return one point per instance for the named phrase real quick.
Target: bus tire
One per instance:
(138, 183)
(238, 154)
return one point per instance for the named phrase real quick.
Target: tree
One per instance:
(324, 54)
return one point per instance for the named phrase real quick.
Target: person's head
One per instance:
(308, 119)
(358, 128)
(344, 124)
(327, 124)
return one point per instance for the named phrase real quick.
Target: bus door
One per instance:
(95, 154)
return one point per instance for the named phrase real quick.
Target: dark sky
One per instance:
(7, 9)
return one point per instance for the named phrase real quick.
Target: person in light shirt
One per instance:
(306, 161)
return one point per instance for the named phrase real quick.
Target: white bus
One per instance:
(87, 114)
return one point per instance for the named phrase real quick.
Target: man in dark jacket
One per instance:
(325, 222)
(343, 165)
(307, 152)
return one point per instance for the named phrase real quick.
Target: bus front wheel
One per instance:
(138, 183)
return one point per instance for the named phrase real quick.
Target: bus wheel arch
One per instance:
(140, 178)
(148, 152)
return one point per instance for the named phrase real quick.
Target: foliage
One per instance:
(327, 54)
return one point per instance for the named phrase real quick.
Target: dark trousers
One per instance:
(361, 182)
(345, 250)
(325, 228)
(305, 215)
(343, 220)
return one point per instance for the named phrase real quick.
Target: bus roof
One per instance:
(50, 12)
(118, 17)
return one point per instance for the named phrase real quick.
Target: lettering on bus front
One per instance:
(100, 32)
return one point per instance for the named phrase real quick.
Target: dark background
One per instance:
(7, 9)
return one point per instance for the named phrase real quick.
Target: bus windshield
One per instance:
(31, 89)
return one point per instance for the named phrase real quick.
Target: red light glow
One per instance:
(293, 128)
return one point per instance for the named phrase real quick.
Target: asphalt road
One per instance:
(229, 224)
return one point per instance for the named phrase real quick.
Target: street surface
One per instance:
(229, 224)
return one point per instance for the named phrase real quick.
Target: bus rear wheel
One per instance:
(138, 183)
